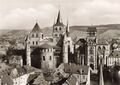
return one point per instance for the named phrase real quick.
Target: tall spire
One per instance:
(58, 18)
(101, 79)
(67, 29)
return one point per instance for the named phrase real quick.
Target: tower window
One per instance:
(32, 35)
(50, 58)
(36, 35)
(36, 43)
(42, 36)
(43, 58)
(91, 50)
(55, 35)
(33, 42)
(56, 28)
(60, 28)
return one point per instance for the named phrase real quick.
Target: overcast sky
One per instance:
(22, 14)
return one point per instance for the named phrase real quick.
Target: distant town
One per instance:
(60, 59)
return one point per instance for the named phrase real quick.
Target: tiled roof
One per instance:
(102, 42)
(40, 80)
(36, 28)
(76, 69)
(71, 80)
(115, 54)
(32, 77)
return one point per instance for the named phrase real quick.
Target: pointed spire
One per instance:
(101, 79)
(67, 29)
(36, 28)
(58, 18)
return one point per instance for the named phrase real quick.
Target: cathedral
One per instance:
(47, 54)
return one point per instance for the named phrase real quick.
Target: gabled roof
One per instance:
(40, 80)
(36, 28)
(115, 54)
(75, 69)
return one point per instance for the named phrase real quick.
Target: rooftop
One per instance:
(75, 69)
(36, 28)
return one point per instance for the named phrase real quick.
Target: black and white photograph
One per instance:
(59, 42)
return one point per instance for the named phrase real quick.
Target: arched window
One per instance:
(91, 50)
(43, 58)
(33, 42)
(42, 36)
(50, 58)
(55, 35)
(36, 35)
(60, 28)
(99, 48)
(104, 48)
(56, 28)
(91, 59)
(36, 43)
(32, 35)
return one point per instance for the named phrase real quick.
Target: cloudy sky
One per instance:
(22, 14)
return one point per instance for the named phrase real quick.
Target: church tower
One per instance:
(58, 29)
(68, 47)
(33, 40)
(101, 79)
(91, 47)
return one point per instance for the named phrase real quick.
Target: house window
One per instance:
(60, 28)
(36, 35)
(33, 42)
(50, 58)
(56, 28)
(32, 35)
(55, 35)
(42, 36)
(43, 58)
(36, 43)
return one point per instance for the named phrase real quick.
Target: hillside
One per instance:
(104, 31)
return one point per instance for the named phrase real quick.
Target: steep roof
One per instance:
(71, 80)
(36, 28)
(58, 22)
(115, 54)
(75, 69)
